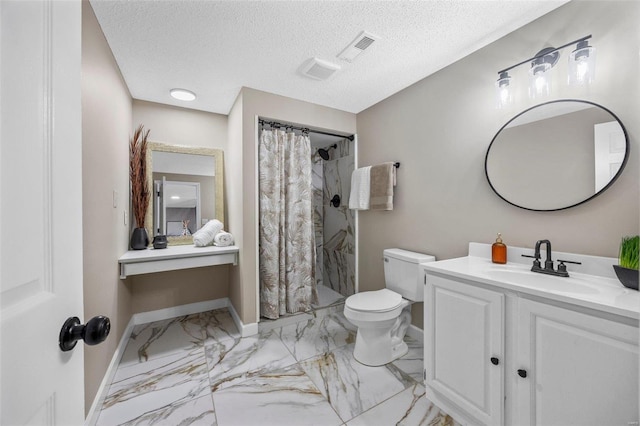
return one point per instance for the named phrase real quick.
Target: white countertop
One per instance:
(174, 252)
(604, 294)
(135, 262)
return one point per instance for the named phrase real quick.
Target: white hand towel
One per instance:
(205, 235)
(360, 188)
(223, 239)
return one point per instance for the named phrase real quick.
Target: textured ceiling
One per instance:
(213, 48)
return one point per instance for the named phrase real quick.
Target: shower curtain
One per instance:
(287, 246)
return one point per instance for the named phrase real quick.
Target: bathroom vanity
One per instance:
(136, 262)
(506, 346)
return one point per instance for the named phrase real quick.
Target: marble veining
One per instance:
(317, 336)
(291, 373)
(235, 360)
(351, 387)
(161, 338)
(409, 407)
(334, 226)
(279, 397)
(168, 381)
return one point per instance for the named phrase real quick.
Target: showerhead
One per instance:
(324, 153)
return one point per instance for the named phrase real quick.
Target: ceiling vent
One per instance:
(358, 46)
(318, 69)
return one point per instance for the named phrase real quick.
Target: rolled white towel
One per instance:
(205, 235)
(223, 239)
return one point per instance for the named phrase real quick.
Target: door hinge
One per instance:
(424, 374)
(425, 279)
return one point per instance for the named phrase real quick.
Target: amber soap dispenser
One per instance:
(499, 251)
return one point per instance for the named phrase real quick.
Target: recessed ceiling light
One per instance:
(182, 94)
(175, 197)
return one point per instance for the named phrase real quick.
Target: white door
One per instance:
(40, 212)
(464, 347)
(579, 369)
(610, 146)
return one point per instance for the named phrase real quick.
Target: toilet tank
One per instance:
(402, 272)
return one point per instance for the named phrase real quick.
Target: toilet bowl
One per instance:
(383, 316)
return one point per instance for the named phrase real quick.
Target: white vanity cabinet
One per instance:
(464, 331)
(581, 369)
(496, 356)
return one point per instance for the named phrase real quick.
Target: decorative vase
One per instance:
(628, 277)
(160, 242)
(139, 239)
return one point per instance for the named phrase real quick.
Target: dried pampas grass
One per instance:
(140, 192)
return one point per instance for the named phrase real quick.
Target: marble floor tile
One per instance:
(316, 336)
(161, 338)
(162, 383)
(351, 387)
(278, 397)
(235, 360)
(327, 297)
(413, 362)
(408, 408)
(195, 412)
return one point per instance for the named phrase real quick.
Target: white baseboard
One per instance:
(245, 329)
(159, 315)
(94, 411)
(178, 311)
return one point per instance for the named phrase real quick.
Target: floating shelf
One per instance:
(135, 262)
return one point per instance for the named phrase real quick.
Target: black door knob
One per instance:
(95, 331)
(335, 201)
(495, 361)
(522, 373)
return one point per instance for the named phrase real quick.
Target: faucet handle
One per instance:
(528, 255)
(563, 268)
(569, 261)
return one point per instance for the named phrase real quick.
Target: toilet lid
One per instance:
(374, 301)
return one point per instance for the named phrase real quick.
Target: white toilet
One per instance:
(383, 316)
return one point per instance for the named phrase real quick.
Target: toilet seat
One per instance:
(383, 300)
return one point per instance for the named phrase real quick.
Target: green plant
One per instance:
(629, 248)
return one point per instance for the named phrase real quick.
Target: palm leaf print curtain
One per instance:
(287, 246)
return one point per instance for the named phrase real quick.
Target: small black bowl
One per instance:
(628, 277)
(160, 242)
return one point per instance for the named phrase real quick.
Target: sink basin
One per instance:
(568, 285)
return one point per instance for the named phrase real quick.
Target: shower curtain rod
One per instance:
(302, 129)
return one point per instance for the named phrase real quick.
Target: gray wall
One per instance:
(179, 126)
(440, 128)
(106, 128)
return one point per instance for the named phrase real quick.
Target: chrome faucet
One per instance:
(548, 263)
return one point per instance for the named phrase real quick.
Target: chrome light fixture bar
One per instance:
(581, 70)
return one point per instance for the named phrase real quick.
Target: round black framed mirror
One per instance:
(557, 155)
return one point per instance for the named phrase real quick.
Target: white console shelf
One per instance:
(135, 262)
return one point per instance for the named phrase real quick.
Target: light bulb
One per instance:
(582, 63)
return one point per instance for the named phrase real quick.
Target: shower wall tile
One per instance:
(337, 179)
(338, 229)
(339, 272)
(344, 148)
(317, 180)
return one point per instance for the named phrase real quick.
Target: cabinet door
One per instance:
(463, 332)
(580, 369)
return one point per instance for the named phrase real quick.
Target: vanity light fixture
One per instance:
(503, 90)
(182, 94)
(581, 70)
(582, 64)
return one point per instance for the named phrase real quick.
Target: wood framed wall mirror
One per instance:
(187, 185)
